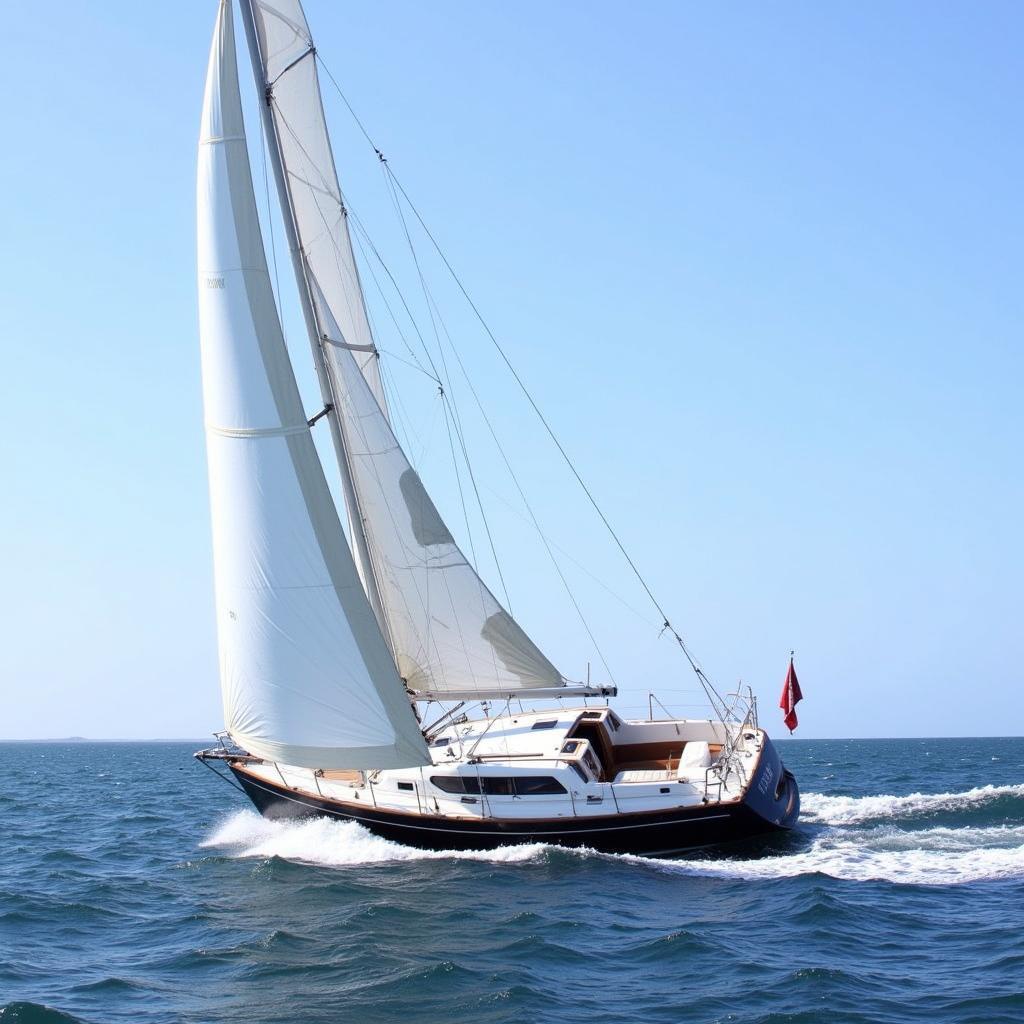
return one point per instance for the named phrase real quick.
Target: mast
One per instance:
(313, 327)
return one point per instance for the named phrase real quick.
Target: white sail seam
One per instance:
(210, 140)
(257, 431)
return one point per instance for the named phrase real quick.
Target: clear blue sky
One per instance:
(761, 265)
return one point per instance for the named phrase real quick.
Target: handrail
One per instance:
(707, 784)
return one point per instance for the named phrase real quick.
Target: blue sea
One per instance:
(136, 887)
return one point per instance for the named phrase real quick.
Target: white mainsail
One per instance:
(448, 633)
(306, 676)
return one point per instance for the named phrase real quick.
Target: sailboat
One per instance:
(337, 645)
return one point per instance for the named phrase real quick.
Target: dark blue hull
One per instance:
(770, 804)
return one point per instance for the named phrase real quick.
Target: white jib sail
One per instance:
(321, 222)
(449, 633)
(306, 675)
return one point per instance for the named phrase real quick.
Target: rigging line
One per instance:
(456, 418)
(394, 400)
(435, 317)
(458, 480)
(416, 364)
(579, 565)
(705, 682)
(434, 313)
(483, 514)
(355, 116)
(530, 399)
(412, 366)
(387, 270)
(419, 273)
(392, 393)
(533, 517)
(449, 398)
(508, 465)
(667, 625)
(384, 299)
(461, 434)
(427, 437)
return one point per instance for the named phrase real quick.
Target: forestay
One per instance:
(306, 675)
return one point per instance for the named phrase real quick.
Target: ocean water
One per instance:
(136, 887)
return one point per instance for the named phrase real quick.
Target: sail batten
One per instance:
(306, 675)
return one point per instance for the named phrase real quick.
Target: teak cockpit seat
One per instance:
(645, 775)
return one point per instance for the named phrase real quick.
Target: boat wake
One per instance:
(939, 856)
(871, 838)
(848, 810)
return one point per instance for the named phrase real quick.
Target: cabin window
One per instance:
(499, 785)
(455, 784)
(406, 786)
(444, 741)
(574, 765)
(570, 746)
(592, 714)
(550, 724)
(537, 785)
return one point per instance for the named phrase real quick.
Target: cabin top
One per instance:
(595, 741)
(527, 734)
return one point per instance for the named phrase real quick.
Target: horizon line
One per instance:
(777, 739)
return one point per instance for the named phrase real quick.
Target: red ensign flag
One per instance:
(791, 695)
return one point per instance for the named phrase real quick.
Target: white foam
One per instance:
(925, 857)
(864, 842)
(335, 843)
(861, 842)
(849, 810)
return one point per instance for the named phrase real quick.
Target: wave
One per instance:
(860, 840)
(333, 843)
(819, 808)
(34, 1013)
(925, 857)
